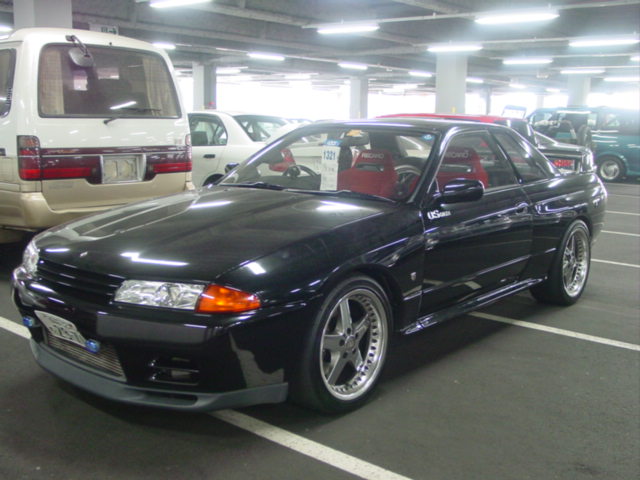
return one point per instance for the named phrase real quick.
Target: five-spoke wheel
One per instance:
(347, 347)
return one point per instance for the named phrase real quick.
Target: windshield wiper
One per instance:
(264, 185)
(129, 109)
(344, 193)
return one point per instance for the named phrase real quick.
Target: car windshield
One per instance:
(260, 127)
(120, 83)
(369, 161)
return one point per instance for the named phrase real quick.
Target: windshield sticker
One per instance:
(329, 167)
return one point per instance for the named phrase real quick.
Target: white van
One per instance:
(88, 121)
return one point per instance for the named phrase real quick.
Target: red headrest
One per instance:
(460, 155)
(375, 157)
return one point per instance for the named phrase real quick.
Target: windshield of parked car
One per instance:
(7, 64)
(120, 83)
(374, 161)
(260, 127)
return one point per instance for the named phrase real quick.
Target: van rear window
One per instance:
(7, 67)
(121, 82)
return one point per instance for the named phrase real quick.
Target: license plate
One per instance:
(120, 169)
(61, 328)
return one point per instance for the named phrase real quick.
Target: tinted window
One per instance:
(207, 131)
(528, 162)
(625, 123)
(7, 67)
(331, 159)
(472, 156)
(260, 127)
(121, 83)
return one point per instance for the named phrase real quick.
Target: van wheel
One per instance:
(346, 348)
(569, 270)
(610, 169)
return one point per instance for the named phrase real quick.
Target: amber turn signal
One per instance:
(218, 299)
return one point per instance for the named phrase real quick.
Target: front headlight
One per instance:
(187, 296)
(160, 294)
(30, 258)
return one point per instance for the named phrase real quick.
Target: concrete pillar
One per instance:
(579, 87)
(451, 82)
(358, 97)
(488, 91)
(42, 13)
(204, 87)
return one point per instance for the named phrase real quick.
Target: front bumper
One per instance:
(77, 375)
(238, 363)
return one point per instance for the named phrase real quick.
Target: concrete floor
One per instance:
(469, 399)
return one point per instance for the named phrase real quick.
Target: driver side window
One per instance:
(207, 131)
(472, 156)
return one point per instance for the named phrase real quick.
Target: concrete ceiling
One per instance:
(223, 31)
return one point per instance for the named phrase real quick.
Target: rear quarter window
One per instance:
(7, 68)
(123, 83)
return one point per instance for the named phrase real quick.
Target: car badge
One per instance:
(92, 345)
(435, 214)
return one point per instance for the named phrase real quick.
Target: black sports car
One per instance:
(289, 277)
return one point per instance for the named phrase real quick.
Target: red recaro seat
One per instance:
(372, 172)
(461, 162)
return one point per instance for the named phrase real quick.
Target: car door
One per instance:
(474, 247)
(208, 143)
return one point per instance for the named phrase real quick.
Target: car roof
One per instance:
(433, 124)
(455, 116)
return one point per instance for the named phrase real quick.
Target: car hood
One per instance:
(198, 235)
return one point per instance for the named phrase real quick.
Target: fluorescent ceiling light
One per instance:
(636, 58)
(505, 18)
(229, 70)
(582, 71)
(635, 78)
(298, 76)
(266, 56)
(165, 45)
(519, 86)
(174, 3)
(553, 90)
(604, 42)
(418, 73)
(526, 61)
(474, 80)
(5, 28)
(130, 103)
(345, 28)
(352, 66)
(454, 47)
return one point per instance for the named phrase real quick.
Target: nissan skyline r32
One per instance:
(289, 278)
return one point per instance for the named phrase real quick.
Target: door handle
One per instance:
(522, 209)
(210, 155)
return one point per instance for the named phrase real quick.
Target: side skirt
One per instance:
(469, 305)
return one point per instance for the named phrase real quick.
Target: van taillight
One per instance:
(178, 161)
(29, 157)
(33, 165)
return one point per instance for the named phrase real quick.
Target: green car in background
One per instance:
(613, 134)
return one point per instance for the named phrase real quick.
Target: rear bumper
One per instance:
(113, 389)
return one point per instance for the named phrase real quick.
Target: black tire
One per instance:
(327, 378)
(610, 169)
(569, 270)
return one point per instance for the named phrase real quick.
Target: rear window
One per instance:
(7, 67)
(260, 127)
(122, 83)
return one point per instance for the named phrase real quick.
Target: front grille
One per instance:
(95, 287)
(106, 360)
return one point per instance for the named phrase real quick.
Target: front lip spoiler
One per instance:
(107, 387)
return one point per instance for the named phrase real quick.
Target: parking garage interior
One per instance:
(514, 390)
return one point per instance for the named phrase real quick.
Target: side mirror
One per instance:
(230, 166)
(462, 190)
